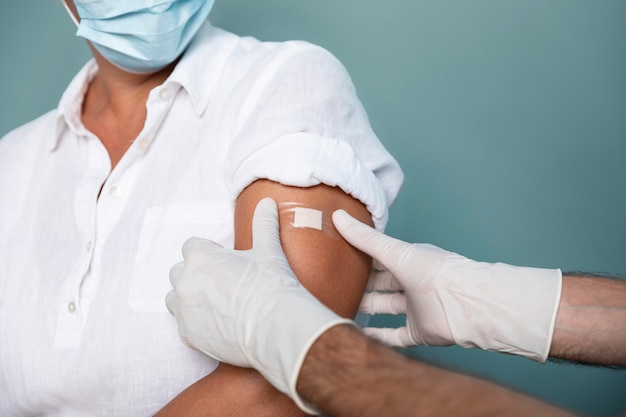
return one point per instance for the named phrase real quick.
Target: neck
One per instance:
(116, 90)
(114, 108)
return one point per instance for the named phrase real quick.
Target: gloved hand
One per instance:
(449, 299)
(247, 308)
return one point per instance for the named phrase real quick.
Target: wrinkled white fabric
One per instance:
(449, 299)
(84, 329)
(247, 308)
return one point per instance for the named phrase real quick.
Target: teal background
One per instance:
(508, 117)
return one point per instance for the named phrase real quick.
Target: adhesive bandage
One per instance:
(298, 216)
(307, 217)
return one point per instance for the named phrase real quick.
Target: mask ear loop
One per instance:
(74, 19)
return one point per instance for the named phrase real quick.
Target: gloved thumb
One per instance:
(196, 247)
(379, 246)
(265, 226)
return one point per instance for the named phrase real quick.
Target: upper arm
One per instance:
(329, 267)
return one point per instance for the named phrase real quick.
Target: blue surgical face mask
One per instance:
(141, 36)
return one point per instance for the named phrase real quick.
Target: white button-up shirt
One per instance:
(85, 251)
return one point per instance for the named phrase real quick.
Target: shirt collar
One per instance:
(70, 106)
(198, 72)
(200, 68)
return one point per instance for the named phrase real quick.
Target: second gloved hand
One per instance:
(449, 299)
(247, 308)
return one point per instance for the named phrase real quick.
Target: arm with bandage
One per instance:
(328, 266)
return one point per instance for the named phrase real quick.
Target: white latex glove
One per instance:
(449, 299)
(247, 308)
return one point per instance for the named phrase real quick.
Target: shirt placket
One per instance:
(100, 198)
(71, 308)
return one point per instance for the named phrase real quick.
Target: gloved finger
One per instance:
(172, 303)
(398, 337)
(176, 272)
(183, 338)
(195, 244)
(382, 280)
(265, 227)
(185, 341)
(378, 245)
(381, 303)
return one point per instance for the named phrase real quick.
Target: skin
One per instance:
(347, 374)
(114, 110)
(591, 321)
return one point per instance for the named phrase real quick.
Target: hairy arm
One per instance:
(591, 321)
(334, 271)
(347, 374)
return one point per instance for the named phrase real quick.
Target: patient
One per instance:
(142, 153)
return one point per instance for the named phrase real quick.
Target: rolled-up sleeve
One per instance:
(302, 124)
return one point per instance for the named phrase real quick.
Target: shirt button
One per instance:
(165, 93)
(143, 144)
(115, 191)
(71, 307)
(88, 246)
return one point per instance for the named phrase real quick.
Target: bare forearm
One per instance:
(346, 374)
(591, 321)
(244, 393)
